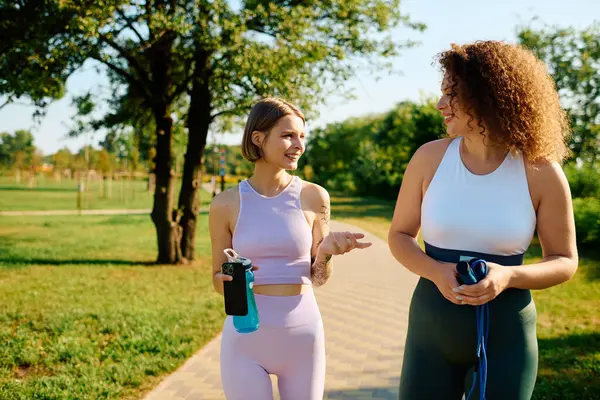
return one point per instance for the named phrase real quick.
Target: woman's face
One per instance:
(284, 145)
(455, 118)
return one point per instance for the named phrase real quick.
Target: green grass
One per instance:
(84, 314)
(48, 194)
(568, 327)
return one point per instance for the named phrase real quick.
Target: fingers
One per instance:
(452, 298)
(223, 277)
(352, 239)
(477, 301)
(475, 290)
(255, 267)
(348, 241)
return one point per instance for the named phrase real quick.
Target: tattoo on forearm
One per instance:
(312, 259)
(321, 270)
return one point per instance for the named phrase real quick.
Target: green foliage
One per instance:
(297, 50)
(584, 180)
(235, 163)
(573, 58)
(17, 150)
(587, 221)
(368, 156)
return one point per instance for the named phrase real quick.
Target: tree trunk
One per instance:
(198, 122)
(164, 217)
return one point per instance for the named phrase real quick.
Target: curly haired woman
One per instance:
(483, 192)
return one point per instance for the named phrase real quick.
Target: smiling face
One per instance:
(455, 118)
(283, 145)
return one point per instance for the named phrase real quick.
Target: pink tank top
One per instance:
(274, 233)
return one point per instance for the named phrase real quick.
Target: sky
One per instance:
(458, 21)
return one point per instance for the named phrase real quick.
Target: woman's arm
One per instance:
(406, 222)
(555, 230)
(321, 263)
(402, 237)
(326, 244)
(220, 235)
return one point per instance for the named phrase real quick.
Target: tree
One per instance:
(215, 56)
(573, 58)
(62, 159)
(368, 155)
(17, 150)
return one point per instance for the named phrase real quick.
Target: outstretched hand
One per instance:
(336, 243)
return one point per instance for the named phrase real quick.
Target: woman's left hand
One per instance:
(487, 289)
(337, 243)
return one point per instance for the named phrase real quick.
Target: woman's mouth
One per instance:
(293, 157)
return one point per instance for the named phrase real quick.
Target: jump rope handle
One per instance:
(472, 271)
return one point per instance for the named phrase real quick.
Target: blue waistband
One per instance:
(453, 256)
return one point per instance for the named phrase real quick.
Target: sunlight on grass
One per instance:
(84, 314)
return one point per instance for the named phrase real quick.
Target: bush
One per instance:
(367, 156)
(584, 180)
(587, 221)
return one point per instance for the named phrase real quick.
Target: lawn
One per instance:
(48, 194)
(568, 325)
(84, 314)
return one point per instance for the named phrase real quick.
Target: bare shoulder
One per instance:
(314, 196)
(547, 177)
(426, 160)
(225, 201)
(432, 152)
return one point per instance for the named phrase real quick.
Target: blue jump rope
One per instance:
(471, 271)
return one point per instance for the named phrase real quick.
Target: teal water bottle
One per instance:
(245, 323)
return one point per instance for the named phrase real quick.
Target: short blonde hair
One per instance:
(263, 117)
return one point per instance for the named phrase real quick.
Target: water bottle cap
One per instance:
(232, 256)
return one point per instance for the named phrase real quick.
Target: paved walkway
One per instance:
(365, 312)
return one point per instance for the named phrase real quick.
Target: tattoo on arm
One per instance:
(325, 214)
(312, 259)
(321, 270)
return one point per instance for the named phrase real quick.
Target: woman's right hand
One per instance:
(445, 280)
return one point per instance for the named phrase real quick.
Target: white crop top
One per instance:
(491, 214)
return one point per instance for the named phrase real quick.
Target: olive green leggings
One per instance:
(441, 343)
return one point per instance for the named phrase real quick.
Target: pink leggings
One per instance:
(289, 343)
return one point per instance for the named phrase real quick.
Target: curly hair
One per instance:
(509, 91)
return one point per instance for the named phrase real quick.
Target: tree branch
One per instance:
(231, 111)
(130, 25)
(8, 101)
(130, 59)
(186, 82)
(128, 77)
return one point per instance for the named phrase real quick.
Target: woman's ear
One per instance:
(258, 138)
